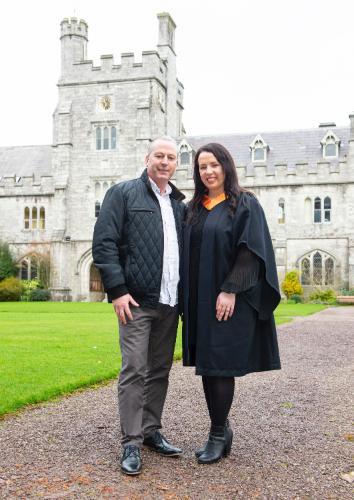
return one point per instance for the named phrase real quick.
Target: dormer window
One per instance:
(259, 149)
(259, 152)
(330, 145)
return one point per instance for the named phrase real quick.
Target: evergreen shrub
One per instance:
(323, 296)
(291, 284)
(39, 295)
(296, 298)
(8, 266)
(28, 287)
(10, 290)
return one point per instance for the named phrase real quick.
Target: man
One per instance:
(136, 247)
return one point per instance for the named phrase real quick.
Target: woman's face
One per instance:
(211, 173)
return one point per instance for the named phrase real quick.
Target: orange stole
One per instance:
(210, 203)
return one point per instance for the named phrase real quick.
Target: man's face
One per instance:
(161, 162)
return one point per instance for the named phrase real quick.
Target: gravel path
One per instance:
(292, 432)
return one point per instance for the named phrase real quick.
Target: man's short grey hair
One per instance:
(166, 138)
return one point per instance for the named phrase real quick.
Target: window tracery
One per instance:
(317, 268)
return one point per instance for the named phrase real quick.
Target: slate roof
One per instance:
(26, 161)
(285, 147)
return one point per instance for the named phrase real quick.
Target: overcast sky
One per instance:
(249, 66)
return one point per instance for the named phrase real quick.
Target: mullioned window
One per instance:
(34, 218)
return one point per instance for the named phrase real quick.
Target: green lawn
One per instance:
(286, 312)
(52, 348)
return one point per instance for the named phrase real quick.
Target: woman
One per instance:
(230, 290)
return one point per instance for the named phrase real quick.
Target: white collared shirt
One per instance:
(170, 269)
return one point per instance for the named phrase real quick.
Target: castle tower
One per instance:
(166, 50)
(105, 118)
(73, 43)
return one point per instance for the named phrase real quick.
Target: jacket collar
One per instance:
(176, 193)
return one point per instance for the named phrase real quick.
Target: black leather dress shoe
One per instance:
(156, 442)
(131, 461)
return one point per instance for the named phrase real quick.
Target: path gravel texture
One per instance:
(292, 432)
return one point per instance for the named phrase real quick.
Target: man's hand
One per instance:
(121, 307)
(225, 305)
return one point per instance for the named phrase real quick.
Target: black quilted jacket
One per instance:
(128, 240)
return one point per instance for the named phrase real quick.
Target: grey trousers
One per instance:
(147, 345)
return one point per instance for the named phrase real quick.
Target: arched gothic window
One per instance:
(281, 211)
(95, 280)
(317, 268)
(29, 268)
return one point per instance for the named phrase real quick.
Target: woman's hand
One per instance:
(225, 305)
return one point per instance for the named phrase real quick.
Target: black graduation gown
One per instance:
(247, 341)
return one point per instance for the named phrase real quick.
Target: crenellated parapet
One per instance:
(71, 26)
(294, 174)
(13, 185)
(151, 66)
(76, 68)
(252, 176)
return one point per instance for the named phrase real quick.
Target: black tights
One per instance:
(219, 393)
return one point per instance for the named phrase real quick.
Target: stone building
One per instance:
(305, 182)
(106, 116)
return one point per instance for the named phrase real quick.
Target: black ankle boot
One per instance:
(202, 449)
(218, 445)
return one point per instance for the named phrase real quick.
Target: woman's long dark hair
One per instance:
(232, 188)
